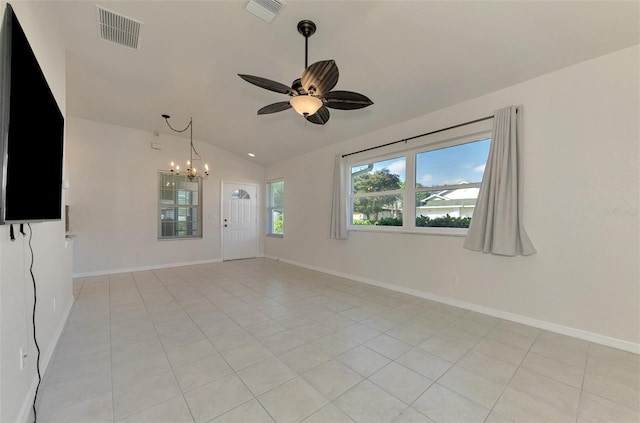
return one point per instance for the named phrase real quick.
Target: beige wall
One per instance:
(580, 163)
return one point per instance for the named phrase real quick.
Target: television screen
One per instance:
(32, 129)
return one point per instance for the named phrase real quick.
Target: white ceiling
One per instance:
(409, 57)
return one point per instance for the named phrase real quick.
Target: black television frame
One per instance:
(31, 131)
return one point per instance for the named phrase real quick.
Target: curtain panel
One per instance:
(496, 226)
(339, 212)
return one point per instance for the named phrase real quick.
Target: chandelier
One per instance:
(191, 172)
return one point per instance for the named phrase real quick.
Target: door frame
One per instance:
(222, 204)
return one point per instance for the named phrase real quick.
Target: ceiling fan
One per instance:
(311, 95)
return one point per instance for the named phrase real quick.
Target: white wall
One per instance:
(581, 146)
(113, 197)
(52, 265)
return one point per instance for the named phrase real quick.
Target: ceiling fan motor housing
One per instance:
(297, 86)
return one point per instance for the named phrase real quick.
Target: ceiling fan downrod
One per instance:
(307, 29)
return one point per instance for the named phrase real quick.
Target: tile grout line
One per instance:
(135, 284)
(452, 365)
(223, 358)
(276, 357)
(584, 376)
(619, 404)
(513, 375)
(300, 375)
(393, 360)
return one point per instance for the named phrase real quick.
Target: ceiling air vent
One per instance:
(266, 10)
(118, 29)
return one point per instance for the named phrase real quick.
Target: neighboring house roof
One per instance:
(459, 197)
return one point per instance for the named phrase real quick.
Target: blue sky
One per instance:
(446, 166)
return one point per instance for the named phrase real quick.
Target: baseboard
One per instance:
(45, 359)
(143, 268)
(541, 324)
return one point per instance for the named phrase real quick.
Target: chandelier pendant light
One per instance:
(191, 172)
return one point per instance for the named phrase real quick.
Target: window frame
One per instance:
(473, 133)
(177, 206)
(271, 207)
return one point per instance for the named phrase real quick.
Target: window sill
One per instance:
(184, 238)
(455, 232)
(275, 236)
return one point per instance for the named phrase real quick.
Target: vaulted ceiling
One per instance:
(410, 57)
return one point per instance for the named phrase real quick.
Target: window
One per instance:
(275, 207)
(240, 194)
(180, 207)
(447, 184)
(377, 192)
(442, 180)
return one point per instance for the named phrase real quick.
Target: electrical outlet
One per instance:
(455, 280)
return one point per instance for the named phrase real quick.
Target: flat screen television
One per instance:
(32, 131)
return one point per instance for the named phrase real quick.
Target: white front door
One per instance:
(239, 221)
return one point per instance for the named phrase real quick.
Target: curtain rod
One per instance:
(421, 135)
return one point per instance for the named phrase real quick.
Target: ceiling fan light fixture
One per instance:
(306, 105)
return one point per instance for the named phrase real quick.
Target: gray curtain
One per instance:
(496, 226)
(339, 211)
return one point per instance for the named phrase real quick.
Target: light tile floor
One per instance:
(262, 341)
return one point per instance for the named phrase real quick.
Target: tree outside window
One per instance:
(377, 197)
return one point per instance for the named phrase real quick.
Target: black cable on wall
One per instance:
(33, 322)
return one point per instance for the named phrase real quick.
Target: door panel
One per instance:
(239, 221)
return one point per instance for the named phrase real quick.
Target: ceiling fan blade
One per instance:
(346, 100)
(268, 84)
(320, 77)
(320, 117)
(275, 107)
